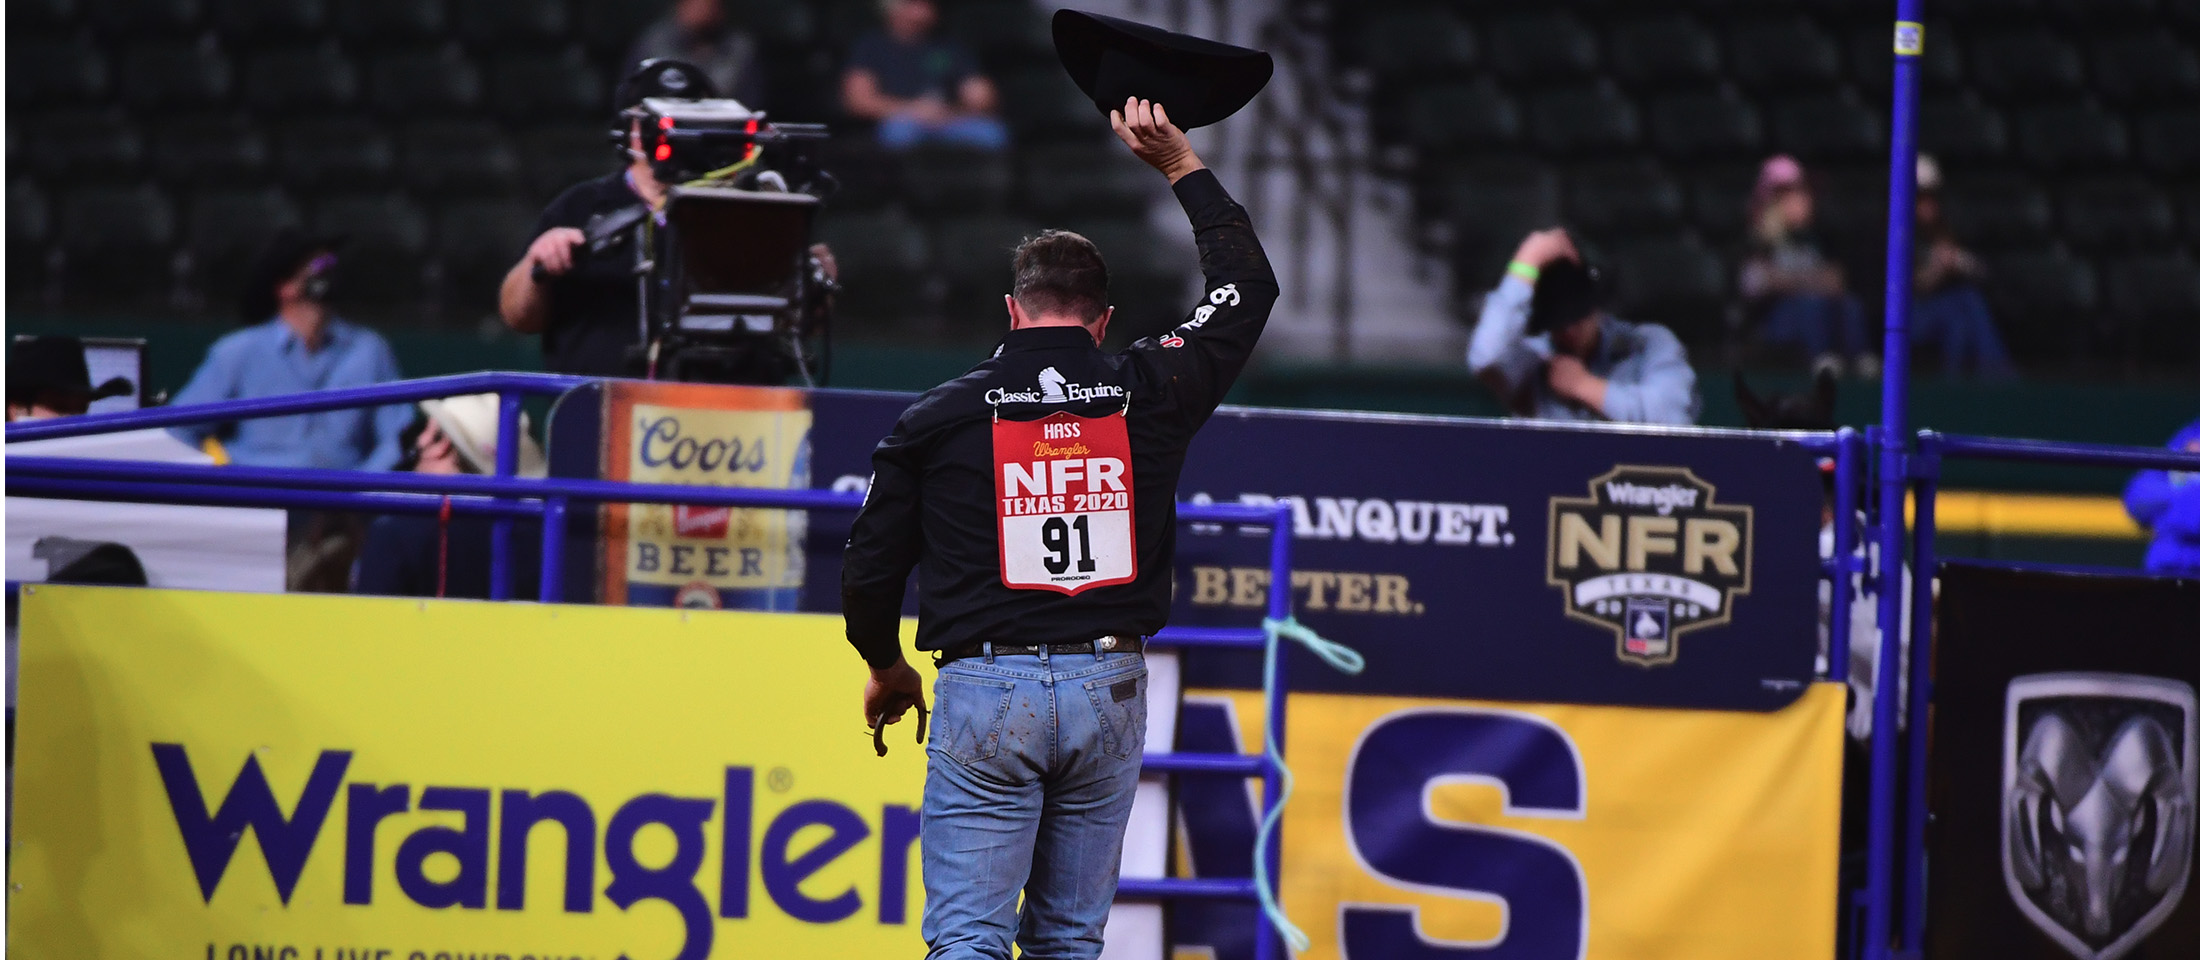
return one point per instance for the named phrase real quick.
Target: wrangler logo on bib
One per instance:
(1064, 503)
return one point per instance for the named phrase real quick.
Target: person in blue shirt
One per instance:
(1548, 350)
(2168, 502)
(295, 345)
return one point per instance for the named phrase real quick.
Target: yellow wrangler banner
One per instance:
(312, 778)
(1432, 828)
(325, 778)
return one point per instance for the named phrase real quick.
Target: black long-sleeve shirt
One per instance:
(932, 502)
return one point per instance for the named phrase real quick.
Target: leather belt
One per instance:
(1102, 645)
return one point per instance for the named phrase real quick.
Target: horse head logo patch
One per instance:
(2098, 785)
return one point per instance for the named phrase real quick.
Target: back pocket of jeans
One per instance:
(1120, 700)
(967, 716)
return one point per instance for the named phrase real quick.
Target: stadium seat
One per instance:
(1871, 58)
(30, 227)
(1000, 32)
(314, 78)
(510, 23)
(528, 87)
(952, 180)
(2145, 67)
(1459, 117)
(2044, 302)
(374, 22)
(869, 176)
(2094, 13)
(1718, 201)
(1675, 281)
(2169, 141)
(452, 158)
(2154, 299)
(159, 75)
(882, 257)
(1586, 120)
(1824, 127)
(1663, 51)
(558, 157)
(1961, 130)
(2071, 136)
(256, 21)
(973, 260)
(2024, 65)
(1615, 197)
(1782, 53)
(607, 27)
(84, 145)
(1541, 46)
(345, 152)
(224, 233)
(1413, 42)
(2188, 206)
(1491, 205)
(209, 150)
(2116, 214)
(54, 71)
(387, 236)
(1069, 179)
(40, 14)
(477, 241)
(116, 242)
(1712, 124)
(164, 17)
(1041, 103)
(422, 81)
(1996, 210)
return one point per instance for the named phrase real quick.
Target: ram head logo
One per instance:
(2099, 783)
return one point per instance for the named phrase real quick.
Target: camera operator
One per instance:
(587, 311)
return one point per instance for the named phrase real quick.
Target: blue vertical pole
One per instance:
(553, 549)
(1921, 696)
(500, 536)
(1893, 434)
(1841, 567)
(1268, 944)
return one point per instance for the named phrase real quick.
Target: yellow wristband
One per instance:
(1524, 271)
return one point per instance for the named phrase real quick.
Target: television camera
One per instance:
(728, 286)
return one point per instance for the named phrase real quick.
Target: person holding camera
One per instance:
(1546, 347)
(588, 309)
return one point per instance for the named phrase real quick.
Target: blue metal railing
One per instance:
(505, 497)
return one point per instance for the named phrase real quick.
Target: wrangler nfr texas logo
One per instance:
(1649, 555)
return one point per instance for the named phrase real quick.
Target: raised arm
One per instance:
(1198, 360)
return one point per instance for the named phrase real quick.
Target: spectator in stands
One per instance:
(424, 555)
(1548, 349)
(918, 88)
(1950, 313)
(698, 32)
(586, 308)
(1796, 290)
(2168, 503)
(47, 377)
(295, 345)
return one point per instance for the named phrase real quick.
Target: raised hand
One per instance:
(1144, 126)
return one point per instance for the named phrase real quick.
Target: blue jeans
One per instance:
(1956, 319)
(1817, 324)
(983, 133)
(1034, 764)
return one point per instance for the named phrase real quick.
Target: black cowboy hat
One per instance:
(42, 366)
(289, 249)
(1566, 291)
(1199, 81)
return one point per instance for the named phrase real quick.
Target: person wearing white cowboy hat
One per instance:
(427, 555)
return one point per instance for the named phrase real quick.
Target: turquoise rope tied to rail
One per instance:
(1345, 660)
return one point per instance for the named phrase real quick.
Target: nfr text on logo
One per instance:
(1650, 555)
(210, 841)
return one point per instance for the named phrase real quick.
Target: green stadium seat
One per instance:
(312, 78)
(335, 152)
(382, 22)
(46, 71)
(531, 87)
(2071, 136)
(1622, 197)
(245, 22)
(437, 80)
(1782, 53)
(955, 181)
(477, 241)
(116, 242)
(225, 230)
(1675, 281)
(1712, 124)
(1663, 51)
(203, 150)
(2116, 214)
(382, 262)
(454, 159)
(162, 75)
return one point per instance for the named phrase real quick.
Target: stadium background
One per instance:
(153, 143)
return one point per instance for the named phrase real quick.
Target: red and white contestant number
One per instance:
(1064, 503)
